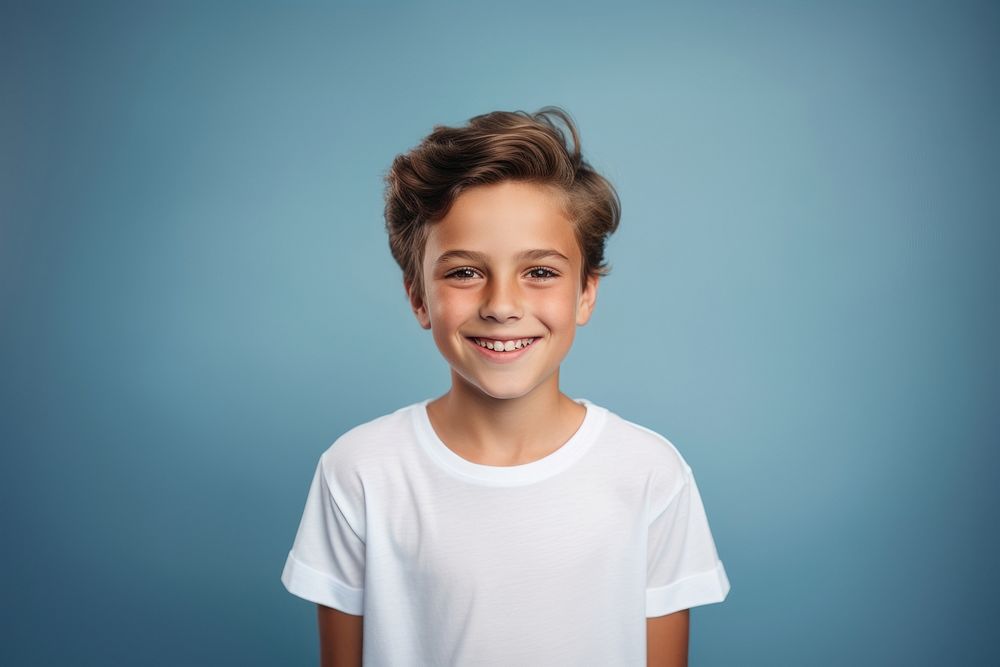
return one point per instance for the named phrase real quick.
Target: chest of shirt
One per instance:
(461, 536)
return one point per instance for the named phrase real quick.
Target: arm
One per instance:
(667, 639)
(339, 637)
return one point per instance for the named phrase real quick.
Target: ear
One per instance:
(587, 300)
(418, 304)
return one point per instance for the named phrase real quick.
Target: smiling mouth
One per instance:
(497, 345)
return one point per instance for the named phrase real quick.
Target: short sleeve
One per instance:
(683, 567)
(326, 564)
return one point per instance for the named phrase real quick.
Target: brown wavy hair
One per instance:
(422, 184)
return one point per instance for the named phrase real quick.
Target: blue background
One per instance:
(197, 298)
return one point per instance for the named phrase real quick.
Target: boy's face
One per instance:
(503, 266)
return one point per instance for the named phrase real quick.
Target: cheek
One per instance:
(558, 310)
(450, 308)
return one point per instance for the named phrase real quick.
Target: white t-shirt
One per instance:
(554, 562)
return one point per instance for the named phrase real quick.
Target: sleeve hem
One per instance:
(699, 589)
(310, 584)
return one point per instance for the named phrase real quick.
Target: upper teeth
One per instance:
(504, 345)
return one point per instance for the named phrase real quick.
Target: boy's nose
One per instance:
(501, 302)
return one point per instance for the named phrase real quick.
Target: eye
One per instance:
(462, 273)
(542, 273)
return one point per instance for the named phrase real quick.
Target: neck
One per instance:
(504, 431)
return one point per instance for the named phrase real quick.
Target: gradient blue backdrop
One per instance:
(196, 298)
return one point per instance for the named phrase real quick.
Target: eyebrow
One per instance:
(532, 255)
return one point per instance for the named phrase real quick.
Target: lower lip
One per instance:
(502, 357)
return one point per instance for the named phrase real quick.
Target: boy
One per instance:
(503, 523)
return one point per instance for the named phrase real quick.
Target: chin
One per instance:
(506, 395)
(502, 393)
(500, 390)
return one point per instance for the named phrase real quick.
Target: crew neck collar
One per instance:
(516, 475)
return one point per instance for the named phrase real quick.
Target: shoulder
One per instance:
(665, 469)
(636, 440)
(367, 445)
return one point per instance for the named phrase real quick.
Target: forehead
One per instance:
(505, 219)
